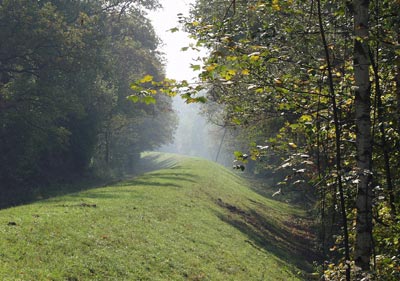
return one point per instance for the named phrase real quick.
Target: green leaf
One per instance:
(305, 118)
(201, 99)
(237, 154)
(195, 67)
(149, 100)
(236, 121)
(136, 88)
(186, 96)
(133, 98)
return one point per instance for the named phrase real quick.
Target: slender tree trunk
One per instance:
(382, 130)
(396, 192)
(220, 145)
(322, 187)
(362, 104)
(397, 77)
(107, 146)
(338, 133)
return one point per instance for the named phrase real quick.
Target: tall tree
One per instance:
(304, 106)
(362, 104)
(65, 73)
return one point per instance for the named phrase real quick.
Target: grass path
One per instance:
(193, 220)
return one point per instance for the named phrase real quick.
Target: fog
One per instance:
(196, 136)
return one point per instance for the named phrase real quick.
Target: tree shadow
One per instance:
(155, 161)
(148, 183)
(148, 162)
(285, 241)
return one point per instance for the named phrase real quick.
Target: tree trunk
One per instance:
(384, 144)
(397, 77)
(362, 103)
(338, 133)
(396, 192)
(107, 146)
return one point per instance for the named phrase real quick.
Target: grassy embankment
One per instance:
(193, 220)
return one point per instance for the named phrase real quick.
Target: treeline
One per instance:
(65, 73)
(313, 88)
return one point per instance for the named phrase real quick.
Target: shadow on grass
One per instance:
(148, 183)
(98, 195)
(155, 161)
(149, 162)
(284, 241)
(168, 178)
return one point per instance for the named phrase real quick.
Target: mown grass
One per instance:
(191, 221)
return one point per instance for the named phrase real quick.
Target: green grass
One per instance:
(193, 220)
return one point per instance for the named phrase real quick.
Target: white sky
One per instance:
(178, 62)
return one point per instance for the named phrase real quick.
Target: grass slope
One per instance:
(191, 221)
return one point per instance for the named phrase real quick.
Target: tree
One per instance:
(306, 69)
(65, 73)
(362, 103)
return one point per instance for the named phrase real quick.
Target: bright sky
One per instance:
(178, 62)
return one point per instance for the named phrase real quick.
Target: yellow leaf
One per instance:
(275, 5)
(231, 58)
(231, 72)
(305, 118)
(147, 78)
(254, 58)
(211, 67)
(228, 74)
(349, 102)
(245, 72)
(136, 88)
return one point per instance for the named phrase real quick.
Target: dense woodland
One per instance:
(65, 72)
(307, 91)
(313, 88)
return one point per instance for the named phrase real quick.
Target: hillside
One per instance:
(190, 220)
